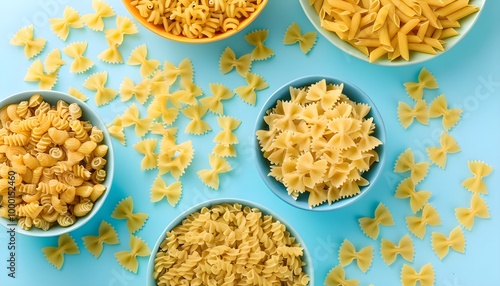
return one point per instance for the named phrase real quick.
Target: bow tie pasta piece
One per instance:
(478, 208)
(406, 189)
(124, 210)
(35, 73)
(139, 57)
(80, 63)
(441, 244)
(77, 94)
(112, 54)
(293, 35)
(370, 226)
(190, 91)
(147, 147)
(141, 91)
(406, 162)
(439, 107)
(131, 117)
(390, 251)
(257, 39)
(348, 253)
(115, 129)
(128, 259)
(32, 46)
(247, 93)
(102, 10)
(406, 114)
(172, 192)
(184, 71)
(175, 159)
(168, 135)
(222, 150)
(324, 94)
(417, 225)
(214, 102)
(197, 125)
(336, 277)
(97, 82)
(438, 155)
(226, 136)
(228, 61)
(71, 19)
(218, 166)
(476, 183)
(65, 245)
(107, 234)
(53, 61)
(124, 26)
(410, 276)
(425, 80)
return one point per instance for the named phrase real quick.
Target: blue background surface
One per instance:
(468, 74)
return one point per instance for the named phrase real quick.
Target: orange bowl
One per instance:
(160, 30)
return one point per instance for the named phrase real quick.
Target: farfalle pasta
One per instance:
(371, 226)
(425, 80)
(128, 259)
(293, 34)
(210, 177)
(319, 143)
(250, 247)
(77, 94)
(410, 276)
(418, 225)
(389, 251)
(479, 170)
(138, 56)
(102, 10)
(147, 147)
(53, 61)
(228, 61)
(248, 93)
(348, 253)
(439, 108)
(112, 54)
(124, 26)
(407, 114)
(478, 208)
(65, 245)
(197, 125)
(226, 136)
(175, 158)
(441, 243)
(160, 190)
(107, 234)
(140, 91)
(184, 71)
(131, 116)
(124, 210)
(115, 129)
(214, 102)
(80, 63)
(406, 162)
(406, 189)
(438, 155)
(97, 82)
(257, 38)
(336, 277)
(161, 104)
(25, 38)
(61, 26)
(36, 73)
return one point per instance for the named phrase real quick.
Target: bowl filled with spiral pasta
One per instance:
(56, 163)
(229, 242)
(195, 22)
(319, 143)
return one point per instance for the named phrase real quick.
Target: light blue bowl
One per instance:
(263, 165)
(88, 114)
(308, 268)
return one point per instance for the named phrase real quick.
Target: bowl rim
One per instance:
(273, 184)
(306, 257)
(422, 57)
(160, 31)
(54, 96)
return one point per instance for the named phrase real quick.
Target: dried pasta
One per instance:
(406, 189)
(336, 277)
(160, 190)
(115, 129)
(248, 93)
(24, 38)
(131, 117)
(141, 91)
(407, 114)
(478, 208)
(61, 26)
(175, 158)
(139, 57)
(409, 276)
(53, 61)
(184, 71)
(438, 155)
(479, 170)
(371, 226)
(214, 102)
(257, 39)
(36, 73)
(160, 105)
(425, 80)
(417, 225)
(293, 35)
(107, 234)
(124, 210)
(226, 136)
(439, 107)
(102, 10)
(228, 61)
(348, 253)
(128, 259)
(124, 26)
(80, 63)
(210, 177)
(197, 125)
(65, 245)
(147, 147)
(406, 162)
(441, 244)
(249, 247)
(390, 251)
(112, 54)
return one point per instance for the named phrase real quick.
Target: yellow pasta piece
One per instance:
(247, 93)
(441, 244)
(371, 226)
(228, 61)
(112, 54)
(124, 210)
(128, 259)
(141, 91)
(175, 159)
(410, 277)
(348, 253)
(294, 35)
(406, 114)
(102, 10)
(336, 277)
(160, 106)
(214, 102)
(479, 170)
(131, 117)
(390, 251)
(147, 147)
(190, 91)
(80, 63)
(65, 245)
(210, 177)
(257, 39)
(417, 225)
(97, 82)
(425, 80)
(35, 73)
(438, 155)
(24, 38)
(226, 136)
(406, 189)
(197, 126)
(107, 234)
(115, 129)
(172, 192)
(139, 57)
(478, 208)
(406, 162)
(184, 71)
(53, 61)
(222, 150)
(325, 95)
(124, 26)
(71, 19)
(439, 107)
